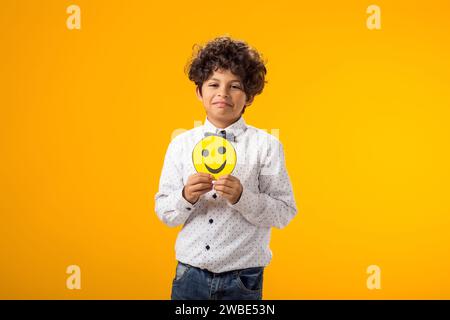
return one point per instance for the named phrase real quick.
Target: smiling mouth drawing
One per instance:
(216, 170)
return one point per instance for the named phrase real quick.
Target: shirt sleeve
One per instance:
(274, 204)
(170, 205)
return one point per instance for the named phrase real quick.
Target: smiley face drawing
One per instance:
(214, 155)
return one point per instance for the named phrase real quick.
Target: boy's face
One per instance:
(223, 96)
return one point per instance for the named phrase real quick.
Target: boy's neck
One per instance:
(221, 124)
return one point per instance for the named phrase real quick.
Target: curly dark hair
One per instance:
(228, 54)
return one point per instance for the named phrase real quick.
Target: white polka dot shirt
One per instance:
(217, 235)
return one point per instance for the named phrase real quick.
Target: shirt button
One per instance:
(187, 208)
(207, 247)
(211, 220)
(214, 195)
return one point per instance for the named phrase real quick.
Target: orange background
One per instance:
(86, 117)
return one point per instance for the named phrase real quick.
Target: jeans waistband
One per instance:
(216, 273)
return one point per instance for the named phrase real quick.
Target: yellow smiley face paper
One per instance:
(214, 155)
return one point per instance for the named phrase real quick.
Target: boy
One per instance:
(223, 246)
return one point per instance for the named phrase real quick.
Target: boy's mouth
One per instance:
(222, 104)
(216, 170)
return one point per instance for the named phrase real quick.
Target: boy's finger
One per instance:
(224, 188)
(228, 177)
(202, 191)
(198, 179)
(203, 174)
(200, 175)
(223, 182)
(222, 193)
(201, 186)
(199, 192)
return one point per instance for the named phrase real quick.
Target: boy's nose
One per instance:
(223, 93)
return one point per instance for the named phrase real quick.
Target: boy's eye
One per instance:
(222, 150)
(205, 153)
(233, 86)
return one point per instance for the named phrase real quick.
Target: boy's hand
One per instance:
(229, 187)
(197, 184)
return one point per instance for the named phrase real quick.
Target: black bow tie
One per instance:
(222, 133)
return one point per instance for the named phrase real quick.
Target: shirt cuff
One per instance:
(182, 205)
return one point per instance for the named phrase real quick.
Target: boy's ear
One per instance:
(199, 95)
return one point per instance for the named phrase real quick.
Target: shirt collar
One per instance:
(236, 128)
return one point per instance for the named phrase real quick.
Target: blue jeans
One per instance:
(192, 283)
